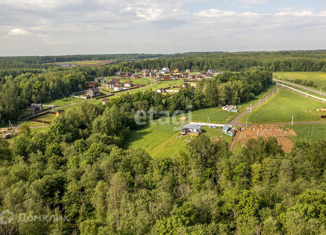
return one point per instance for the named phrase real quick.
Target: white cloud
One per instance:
(34, 4)
(216, 13)
(17, 32)
(295, 13)
(253, 1)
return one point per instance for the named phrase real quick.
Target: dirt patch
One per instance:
(265, 131)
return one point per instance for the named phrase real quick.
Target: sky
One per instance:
(69, 27)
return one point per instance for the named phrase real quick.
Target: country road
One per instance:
(235, 121)
(300, 86)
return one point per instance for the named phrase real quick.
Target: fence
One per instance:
(305, 93)
(208, 124)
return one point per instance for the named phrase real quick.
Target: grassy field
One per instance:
(310, 133)
(60, 102)
(46, 118)
(161, 140)
(33, 130)
(281, 108)
(319, 78)
(216, 115)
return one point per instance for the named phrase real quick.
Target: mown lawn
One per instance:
(60, 102)
(319, 78)
(281, 108)
(161, 140)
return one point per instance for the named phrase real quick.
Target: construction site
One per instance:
(283, 136)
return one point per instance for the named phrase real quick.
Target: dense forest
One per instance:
(78, 175)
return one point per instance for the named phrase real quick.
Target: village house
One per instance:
(218, 73)
(112, 83)
(159, 77)
(167, 70)
(137, 85)
(100, 80)
(184, 75)
(184, 85)
(161, 90)
(135, 76)
(92, 84)
(190, 129)
(105, 100)
(36, 107)
(152, 75)
(93, 92)
(199, 76)
(128, 84)
(117, 88)
(145, 71)
(155, 70)
(188, 71)
(194, 84)
(146, 74)
(230, 108)
(128, 74)
(176, 71)
(211, 71)
(120, 73)
(166, 78)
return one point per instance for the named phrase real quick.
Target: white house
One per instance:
(165, 70)
(211, 71)
(117, 88)
(161, 90)
(128, 84)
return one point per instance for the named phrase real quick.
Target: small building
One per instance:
(152, 75)
(100, 80)
(145, 71)
(194, 84)
(190, 129)
(128, 84)
(36, 107)
(129, 74)
(218, 73)
(57, 114)
(184, 85)
(321, 109)
(92, 84)
(188, 71)
(199, 76)
(117, 88)
(161, 90)
(211, 71)
(166, 70)
(105, 100)
(137, 85)
(226, 129)
(120, 73)
(156, 70)
(84, 97)
(230, 108)
(176, 71)
(159, 77)
(166, 78)
(93, 92)
(184, 75)
(146, 74)
(135, 76)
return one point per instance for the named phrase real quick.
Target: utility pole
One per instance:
(250, 108)
(246, 122)
(42, 122)
(292, 120)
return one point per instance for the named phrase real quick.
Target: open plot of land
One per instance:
(163, 140)
(281, 108)
(310, 132)
(46, 118)
(265, 131)
(319, 78)
(216, 115)
(61, 102)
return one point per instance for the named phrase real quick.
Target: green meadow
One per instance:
(281, 108)
(319, 78)
(310, 133)
(163, 140)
